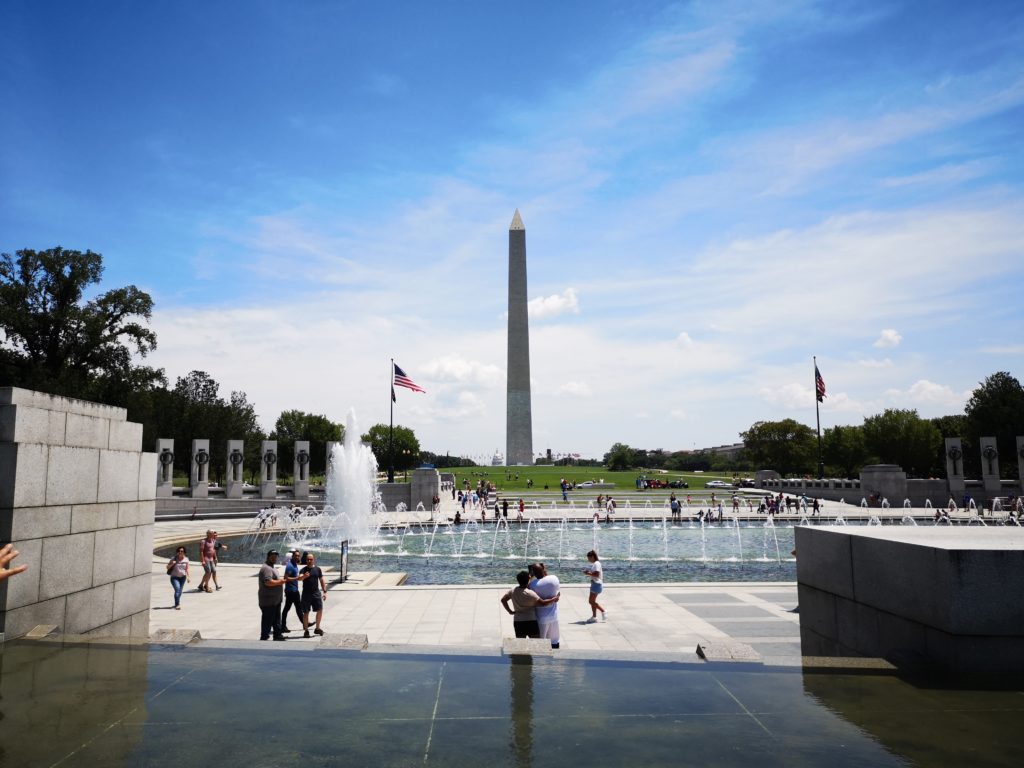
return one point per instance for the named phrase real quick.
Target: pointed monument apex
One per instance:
(517, 222)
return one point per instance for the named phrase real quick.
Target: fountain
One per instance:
(351, 491)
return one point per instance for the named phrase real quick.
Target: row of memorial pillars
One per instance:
(989, 465)
(199, 469)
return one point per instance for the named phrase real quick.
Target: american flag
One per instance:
(819, 384)
(401, 380)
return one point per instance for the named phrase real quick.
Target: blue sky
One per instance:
(713, 193)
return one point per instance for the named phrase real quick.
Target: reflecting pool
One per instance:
(161, 706)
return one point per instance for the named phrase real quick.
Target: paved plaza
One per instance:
(655, 621)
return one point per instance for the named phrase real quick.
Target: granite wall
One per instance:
(77, 501)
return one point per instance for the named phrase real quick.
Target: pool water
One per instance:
(475, 554)
(160, 706)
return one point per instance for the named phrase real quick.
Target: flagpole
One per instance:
(391, 429)
(817, 416)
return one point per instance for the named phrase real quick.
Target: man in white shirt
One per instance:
(546, 587)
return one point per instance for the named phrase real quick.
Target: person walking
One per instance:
(177, 569)
(208, 557)
(270, 596)
(595, 572)
(312, 579)
(217, 547)
(524, 606)
(546, 586)
(291, 590)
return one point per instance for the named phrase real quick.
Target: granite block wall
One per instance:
(77, 500)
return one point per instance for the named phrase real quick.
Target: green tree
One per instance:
(843, 450)
(996, 409)
(406, 450)
(902, 437)
(620, 458)
(316, 428)
(786, 446)
(55, 341)
(194, 409)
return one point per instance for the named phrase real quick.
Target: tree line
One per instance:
(895, 436)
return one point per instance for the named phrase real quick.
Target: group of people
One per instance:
(501, 508)
(277, 589)
(533, 603)
(178, 567)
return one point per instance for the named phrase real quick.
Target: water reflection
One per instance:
(521, 688)
(132, 707)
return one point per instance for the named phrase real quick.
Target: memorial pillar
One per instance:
(199, 474)
(955, 468)
(235, 466)
(300, 474)
(268, 469)
(1020, 462)
(164, 468)
(990, 466)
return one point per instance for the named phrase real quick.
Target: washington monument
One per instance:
(518, 415)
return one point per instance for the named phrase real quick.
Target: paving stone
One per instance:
(727, 650)
(351, 642)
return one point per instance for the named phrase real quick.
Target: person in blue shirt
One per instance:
(291, 590)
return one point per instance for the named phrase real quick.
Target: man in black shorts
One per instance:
(314, 592)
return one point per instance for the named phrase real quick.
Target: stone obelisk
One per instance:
(518, 416)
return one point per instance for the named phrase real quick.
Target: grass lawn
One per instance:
(551, 476)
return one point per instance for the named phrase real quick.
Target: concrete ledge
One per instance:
(918, 596)
(32, 399)
(526, 646)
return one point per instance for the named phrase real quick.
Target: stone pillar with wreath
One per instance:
(268, 469)
(955, 468)
(300, 474)
(164, 468)
(199, 471)
(990, 467)
(235, 475)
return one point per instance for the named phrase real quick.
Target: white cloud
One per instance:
(684, 341)
(928, 396)
(453, 368)
(677, 413)
(929, 393)
(791, 395)
(888, 338)
(576, 389)
(552, 306)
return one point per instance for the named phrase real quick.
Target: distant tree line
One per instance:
(895, 436)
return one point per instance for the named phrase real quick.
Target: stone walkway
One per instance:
(655, 621)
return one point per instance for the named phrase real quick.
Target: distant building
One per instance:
(730, 451)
